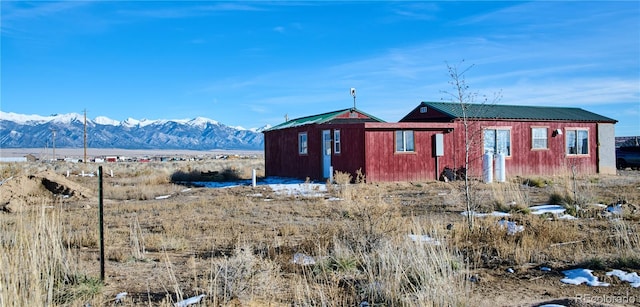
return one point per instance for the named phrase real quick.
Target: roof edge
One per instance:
(330, 115)
(603, 119)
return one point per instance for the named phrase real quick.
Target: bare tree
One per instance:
(461, 94)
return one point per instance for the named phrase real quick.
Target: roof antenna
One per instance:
(353, 93)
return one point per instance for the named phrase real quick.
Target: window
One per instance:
(302, 143)
(336, 141)
(404, 141)
(539, 138)
(497, 141)
(577, 141)
(423, 109)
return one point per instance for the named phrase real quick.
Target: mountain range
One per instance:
(35, 131)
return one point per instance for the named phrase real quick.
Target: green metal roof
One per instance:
(320, 119)
(495, 111)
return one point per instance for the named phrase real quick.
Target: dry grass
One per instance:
(236, 245)
(38, 270)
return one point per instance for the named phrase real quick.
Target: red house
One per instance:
(534, 141)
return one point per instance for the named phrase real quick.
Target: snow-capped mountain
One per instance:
(35, 131)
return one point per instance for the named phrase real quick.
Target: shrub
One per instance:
(227, 174)
(626, 262)
(535, 182)
(78, 288)
(595, 263)
(342, 177)
(516, 208)
(558, 199)
(244, 275)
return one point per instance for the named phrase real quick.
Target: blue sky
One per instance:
(250, 63)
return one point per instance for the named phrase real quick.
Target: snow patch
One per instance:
(302, 259)
(631, 278)
(424, 238)
(130, 122)
(68, 118)
(23, 118)
(580, 276)
(567, 217)
(512, 227)
(200, 122)
(103, 120)
(203, 121)
(615, 209)
(38, 119)
(190, 301)
(542, 209)
(478, 214)
(537, 210)
(300, 189)
(120, 296)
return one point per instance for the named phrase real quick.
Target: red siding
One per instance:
(370, 147)
(282, 157)
(525, 161)
(385, 164)
(351, 156)
(356, 114)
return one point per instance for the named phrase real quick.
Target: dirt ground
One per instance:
(22, 191)
(146, 280)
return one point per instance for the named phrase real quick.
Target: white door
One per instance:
(326, 153)
(606, 149)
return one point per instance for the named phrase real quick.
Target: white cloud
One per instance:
(416, 10)
(573, 92)
(22, 10)
(188, 10)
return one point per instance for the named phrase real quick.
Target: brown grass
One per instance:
(236, 245)
(38, 270)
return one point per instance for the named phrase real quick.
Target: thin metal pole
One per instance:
(101, 222)
(53, 132)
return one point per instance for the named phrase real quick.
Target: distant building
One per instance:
(26, 158)
(13, 159)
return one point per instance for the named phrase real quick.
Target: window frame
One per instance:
(509, 145)
(402, 135)
(576, 131)
(533, 138)
(337, 144)
(303, 143)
